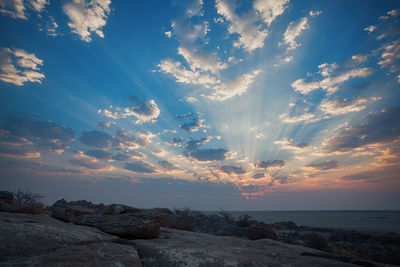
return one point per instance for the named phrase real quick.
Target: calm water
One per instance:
(382, 221)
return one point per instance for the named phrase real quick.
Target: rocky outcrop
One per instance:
(38, 240)
(128, 226)
(116, 219)
(183, 248)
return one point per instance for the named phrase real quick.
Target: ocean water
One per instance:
(380, 221)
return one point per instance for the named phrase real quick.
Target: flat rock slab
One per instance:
(183, 248)
(38, 240)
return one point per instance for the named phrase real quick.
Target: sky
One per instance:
(207, 104)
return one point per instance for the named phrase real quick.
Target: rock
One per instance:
(115, 209)
(35, 208)
(67, 213)
(183, 248)
(39, 240)
(7, 196)
(129, 225)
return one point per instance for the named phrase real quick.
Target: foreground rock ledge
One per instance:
(182, 248)
(38, 240)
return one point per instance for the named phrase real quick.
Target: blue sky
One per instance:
(264, 104)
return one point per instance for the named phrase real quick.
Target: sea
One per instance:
(377, 221)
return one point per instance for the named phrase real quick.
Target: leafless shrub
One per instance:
(27, 197)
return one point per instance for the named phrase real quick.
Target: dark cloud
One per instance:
(183, 116)
(279, 179)
(356, 176)
(143, 110)
(166, 165)
(126, 156)
(277, 163)
(140, 167)
(211, 154)
(7, 139)
(34, 166)
(258, 175)
(381, 127)
(301, 145)
(194, 144)
(192, 126)
(45, 134)
(177, 141)
(98, 153)
(89, 164)
(97, 139)
(19, 152)
(232, 169)
(323, 166)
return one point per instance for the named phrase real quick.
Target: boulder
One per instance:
(183, 248)
(39, 240)
(35, 208)
(128, 226)
(115, 209)
(67, 213)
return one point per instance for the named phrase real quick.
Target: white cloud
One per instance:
(394, 13)
(315, 13)
(328, 83)
(304, 87)
(87, 17)
(183, 75)
(360, 58)
(191, 99)
(38, 5)
(237, 86)
(390, 56)
(14, 8)
(370, 29)
(339, 107)
(251, 34)
(17, 8)
(293, 31)
(287, 144)
(168, 34)
(52, 27)
(201, 60)
(306, 117)
(144, 111)
(270, 10)
(18, 67)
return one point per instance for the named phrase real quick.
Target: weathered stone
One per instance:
(115, 209)
(182, 248)
(68, 212)
(38, 240)
(129, 226)
(35, 208)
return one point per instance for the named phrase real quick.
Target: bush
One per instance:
(227, 217)
(181, 219)
(26, 197)
(260, 232)
(316, 241)
(244, 221)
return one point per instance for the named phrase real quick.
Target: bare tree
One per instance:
(27, 197)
